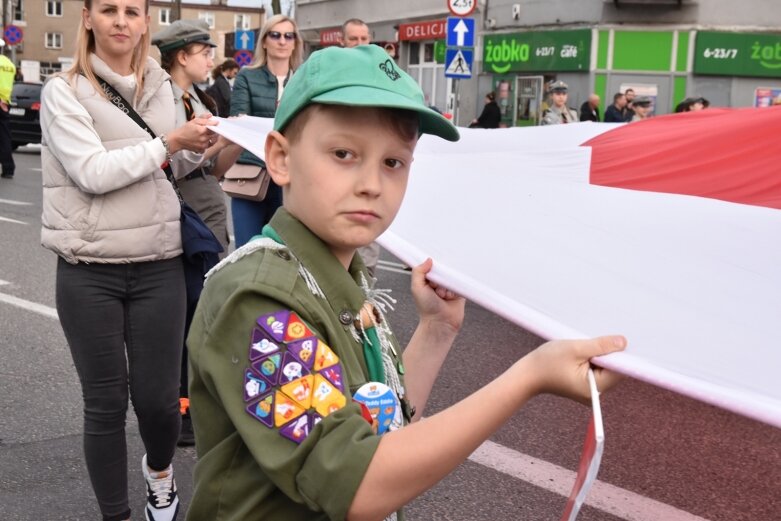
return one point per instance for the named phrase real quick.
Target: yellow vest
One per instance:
(7, 76)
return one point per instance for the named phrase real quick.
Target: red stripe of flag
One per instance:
(728, 154)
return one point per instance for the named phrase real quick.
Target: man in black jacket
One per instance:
(616, 113)
(589, 111)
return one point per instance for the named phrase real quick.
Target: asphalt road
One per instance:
(667, 458)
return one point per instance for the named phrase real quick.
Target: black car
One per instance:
(24, 114)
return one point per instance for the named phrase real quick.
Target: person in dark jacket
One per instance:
(491, 115)
(220, 90)
(589, 111)
(256, 92)
(616, 113)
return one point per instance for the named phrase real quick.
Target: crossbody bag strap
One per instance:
(122, 104)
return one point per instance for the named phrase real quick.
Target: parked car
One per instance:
(24, 114)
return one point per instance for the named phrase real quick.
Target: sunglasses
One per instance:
(276, 35)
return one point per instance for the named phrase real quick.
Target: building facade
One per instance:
(728, 52)
(50, 28)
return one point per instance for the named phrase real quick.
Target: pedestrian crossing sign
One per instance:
(458, 63)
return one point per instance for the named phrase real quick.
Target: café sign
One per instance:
(538, 51)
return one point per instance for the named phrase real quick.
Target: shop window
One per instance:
(429, 74)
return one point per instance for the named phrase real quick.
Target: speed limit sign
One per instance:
(461, 7)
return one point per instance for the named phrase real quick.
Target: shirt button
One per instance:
(345, 317)
(283, 254)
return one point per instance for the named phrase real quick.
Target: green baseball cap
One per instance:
(363, 76)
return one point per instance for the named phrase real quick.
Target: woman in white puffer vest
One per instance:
(112, 217)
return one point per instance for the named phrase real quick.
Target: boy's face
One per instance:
(344, 176)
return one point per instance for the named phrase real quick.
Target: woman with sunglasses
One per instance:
(256, 92)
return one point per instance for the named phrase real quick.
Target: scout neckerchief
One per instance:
(372, 351)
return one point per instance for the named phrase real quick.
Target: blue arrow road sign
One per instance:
(244, 41)
(458, 63)
(460, 32)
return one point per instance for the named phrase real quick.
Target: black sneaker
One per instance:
(186, 433)
(7, 176)
(162, 502)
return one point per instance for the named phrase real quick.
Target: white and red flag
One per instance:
(667, 231)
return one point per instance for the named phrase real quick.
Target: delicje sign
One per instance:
(738, 54)
(538, 51)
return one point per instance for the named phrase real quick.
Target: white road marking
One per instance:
(608, 498)
(6, 219)
(390, 264)
(29, 306)
(393, 270)
(15, 203)
(3, 282)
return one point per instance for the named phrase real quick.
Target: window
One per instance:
(241, 22)
(54, 40)
(207, 17)
(19, 11)
(53, 7)
(165, 16)
(429, 74)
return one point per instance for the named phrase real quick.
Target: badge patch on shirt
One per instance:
(296, 375)
(261, 344)
(383, 405)
(254, 385)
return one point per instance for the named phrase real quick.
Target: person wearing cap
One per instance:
(7, 76)
(186, 54)
(256, 92)
(113, 219)
(692, 105)
(559, 112)
(642, 108)
(301, 398)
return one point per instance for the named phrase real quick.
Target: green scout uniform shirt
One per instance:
(246, 470)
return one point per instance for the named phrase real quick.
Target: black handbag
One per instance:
(201, 248)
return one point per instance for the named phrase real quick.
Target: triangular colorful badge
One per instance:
(296, 329)
(300, 390)
(324, 357)
(263, 410)
(254, 385)
(261, 345)
(275, 324)
(285, 409)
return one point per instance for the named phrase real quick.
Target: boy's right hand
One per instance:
(561, 366)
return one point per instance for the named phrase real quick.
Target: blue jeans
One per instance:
(249, 217)
(124, 325)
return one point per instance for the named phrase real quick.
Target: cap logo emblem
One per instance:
(388, 68)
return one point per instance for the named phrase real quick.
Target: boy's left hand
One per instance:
(436, 305)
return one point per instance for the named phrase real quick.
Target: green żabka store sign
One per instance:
(736, 54)
(538, 51)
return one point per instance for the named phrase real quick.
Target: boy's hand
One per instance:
(438, 306)
(561, 366)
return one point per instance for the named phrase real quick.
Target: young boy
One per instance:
(298, 388)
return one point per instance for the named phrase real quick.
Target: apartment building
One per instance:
(50, 28)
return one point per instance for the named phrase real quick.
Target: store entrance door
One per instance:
(528, 100)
